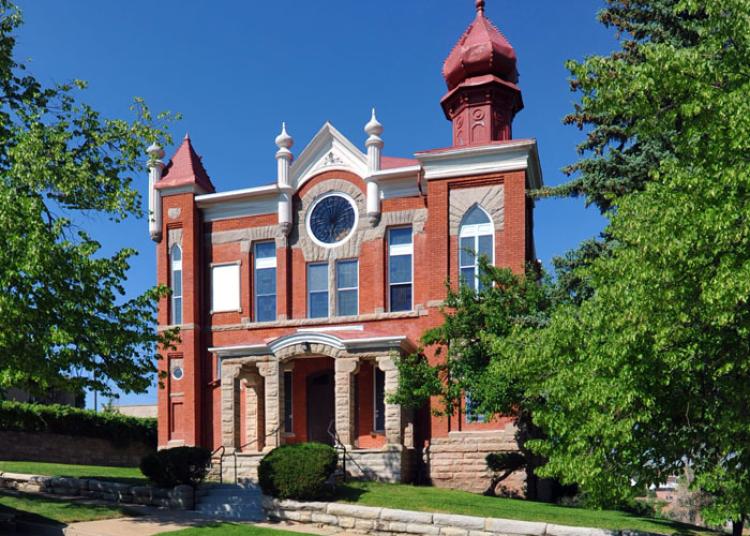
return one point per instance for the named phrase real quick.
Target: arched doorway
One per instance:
(320, 406)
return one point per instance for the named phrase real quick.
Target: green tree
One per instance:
(651, 372)
(464, 347)
(65, 320)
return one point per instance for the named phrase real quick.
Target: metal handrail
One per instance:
(221, 461)
(338, 445)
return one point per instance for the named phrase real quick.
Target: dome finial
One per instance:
(480, 7)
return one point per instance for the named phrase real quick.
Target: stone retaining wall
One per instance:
(178, 498)
(58, 448)
(390, 522)
(458, 461)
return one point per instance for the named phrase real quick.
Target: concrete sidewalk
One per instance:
(151, 521)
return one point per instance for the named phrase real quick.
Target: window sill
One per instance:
(333, 320)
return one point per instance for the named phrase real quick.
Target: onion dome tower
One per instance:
(481, 75)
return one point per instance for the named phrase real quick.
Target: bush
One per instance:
(180, 465)
(60, 419)
(297, 471)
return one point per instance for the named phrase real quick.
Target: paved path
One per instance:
(159, 522)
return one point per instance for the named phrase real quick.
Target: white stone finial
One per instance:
(284, 140)
(373, 126)
(155, 151)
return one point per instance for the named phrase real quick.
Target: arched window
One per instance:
(476, 239)
(176, 284)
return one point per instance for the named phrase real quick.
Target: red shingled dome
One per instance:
(482, 50)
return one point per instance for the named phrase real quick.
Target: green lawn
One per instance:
(130, 475)
(428, 499)
(232, 529)
(53, 511)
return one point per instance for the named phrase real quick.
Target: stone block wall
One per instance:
(458, 461)
(384, 465)
(58, 448)
(178, 498)
(355, 519)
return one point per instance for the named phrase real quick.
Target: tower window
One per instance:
(265, 282)
(175, 282)
(400, 272)
(476, 239)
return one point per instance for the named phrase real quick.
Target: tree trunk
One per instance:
(738, 526)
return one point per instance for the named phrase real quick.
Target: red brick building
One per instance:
(294, 298)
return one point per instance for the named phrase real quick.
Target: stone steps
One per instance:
(236, 502)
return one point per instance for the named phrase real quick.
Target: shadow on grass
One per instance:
(53, 511)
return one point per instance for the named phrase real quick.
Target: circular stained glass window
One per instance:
(332, 219)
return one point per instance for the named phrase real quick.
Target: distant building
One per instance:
(293, 298)
(52, 397)
(137, 410)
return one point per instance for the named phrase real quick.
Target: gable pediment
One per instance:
(328, 150)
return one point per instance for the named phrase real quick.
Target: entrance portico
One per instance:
(326, 402)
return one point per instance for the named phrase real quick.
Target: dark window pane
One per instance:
(176, 253)
(401, 297)
(318, 305)
(347, 302)
(288, 428)
(317, 277)
(265, 281)
(400, 235)
(332, 219)
(379, 400)
(346, 274)
(467, 276)
(265, 308)
(265, 250)
(467, 251)
(475, 216)
(177, 283)
(177, 311)
(399, 269)
(485, 246)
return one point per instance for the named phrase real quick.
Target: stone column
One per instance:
(393, 433)
(274, 401)
(230, 408)
(253, 428)
(345, 368)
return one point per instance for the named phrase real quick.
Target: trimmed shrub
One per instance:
(60, 419)
(180, 465)
(297, 472)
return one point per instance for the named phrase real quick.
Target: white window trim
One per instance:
(315, 204)
(375, 400)
(396, 251)
(239, 286)
(174, 266)
(263, 263)
(327, 290)
(475, 231)
(346, 288)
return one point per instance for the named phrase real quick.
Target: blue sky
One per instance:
(237, 69)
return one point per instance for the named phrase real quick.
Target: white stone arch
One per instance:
(491, 198)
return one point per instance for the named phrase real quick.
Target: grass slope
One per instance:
(232, 529)
(130, 475)
(53, 511)
(428, 499)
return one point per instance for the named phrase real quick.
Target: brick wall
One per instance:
(56, 448)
